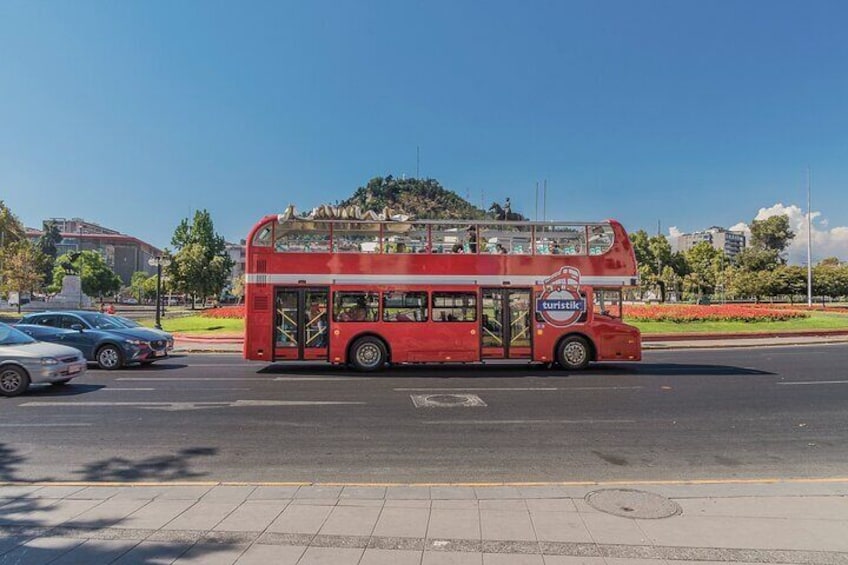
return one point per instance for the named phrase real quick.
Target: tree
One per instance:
(238, 288)
(758, 259)
(201, 266)
(772, 234)
(137, 284)
(47, 243)
(22, 270)
(11, 228)
(96, 276)
(705, 263)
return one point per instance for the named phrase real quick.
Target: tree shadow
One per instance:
(31, 512)
(170, 467)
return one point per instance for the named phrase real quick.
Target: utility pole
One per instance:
(545, 201)
(417, 161)
(809, 240)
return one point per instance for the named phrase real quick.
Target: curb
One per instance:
(742, 335)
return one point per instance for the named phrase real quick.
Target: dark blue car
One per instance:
(101, 338)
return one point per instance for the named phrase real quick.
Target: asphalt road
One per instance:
(689, 414)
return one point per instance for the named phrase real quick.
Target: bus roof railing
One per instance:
(452, 222)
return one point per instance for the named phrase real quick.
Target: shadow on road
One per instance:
(677, 369)
(171, 467)
(70, 389)
(26, 514)
(508, 370)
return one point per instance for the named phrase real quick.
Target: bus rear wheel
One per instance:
(368, 354)
(574, 353)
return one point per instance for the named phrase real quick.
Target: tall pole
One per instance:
(536, 217)
(809, 240)
(545, 201)
(158, 293)
(417, 162)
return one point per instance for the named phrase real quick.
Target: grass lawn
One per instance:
(199, 325)
(816, 321)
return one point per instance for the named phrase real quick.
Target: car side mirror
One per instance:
(77, 327)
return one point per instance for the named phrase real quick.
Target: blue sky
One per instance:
(133, 114)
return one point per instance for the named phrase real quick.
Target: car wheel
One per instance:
(109, 358)
(63, 382)
(13, 380)
(368, 354)
(574, 353)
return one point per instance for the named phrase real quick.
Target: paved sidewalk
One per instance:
(801, 522)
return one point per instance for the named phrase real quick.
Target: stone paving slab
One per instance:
(451, 524)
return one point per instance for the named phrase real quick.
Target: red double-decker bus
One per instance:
(372, 291)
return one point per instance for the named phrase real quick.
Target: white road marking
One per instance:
(178, 406)
(117, 388)
(322, 378)
(519, 422)
(575, 388)
(427, 389)
(225, 379)
(803, 383)
(74, 425)
(165, 379)
(447, 401)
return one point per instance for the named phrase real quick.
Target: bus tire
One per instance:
(574, 353)
(368, 354)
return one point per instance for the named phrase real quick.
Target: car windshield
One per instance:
(103, 322)
(11, 336)
(126, 322)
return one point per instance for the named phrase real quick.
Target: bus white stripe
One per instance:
(482, 280)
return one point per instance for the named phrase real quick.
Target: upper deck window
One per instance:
(401, 237)
(263, 236)
(561, 240)
(452, 239)
(356, 237)
(601, 238)
(302, 236)
(506, 239)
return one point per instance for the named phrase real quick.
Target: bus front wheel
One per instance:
(574, 353)
(368, 354)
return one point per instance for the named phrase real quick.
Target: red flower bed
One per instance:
(232, 312)
(717, 313)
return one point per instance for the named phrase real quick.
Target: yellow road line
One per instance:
(772, 480)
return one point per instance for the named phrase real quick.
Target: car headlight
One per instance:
(135, 342)
(49, 361)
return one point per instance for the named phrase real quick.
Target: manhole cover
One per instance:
(446, 400)
(629, 503)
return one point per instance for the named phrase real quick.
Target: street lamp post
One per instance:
(158, 262)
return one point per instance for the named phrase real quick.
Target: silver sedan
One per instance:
(24, 360)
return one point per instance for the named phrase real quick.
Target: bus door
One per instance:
(300, 329)
(506, 325)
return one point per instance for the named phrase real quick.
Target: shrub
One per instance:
(717, 313)
(230, 312)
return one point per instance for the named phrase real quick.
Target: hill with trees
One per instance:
(422, 199)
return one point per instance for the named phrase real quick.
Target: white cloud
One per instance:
(832, 242)
(674, 233)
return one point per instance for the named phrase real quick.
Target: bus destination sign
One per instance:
(560, 305)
